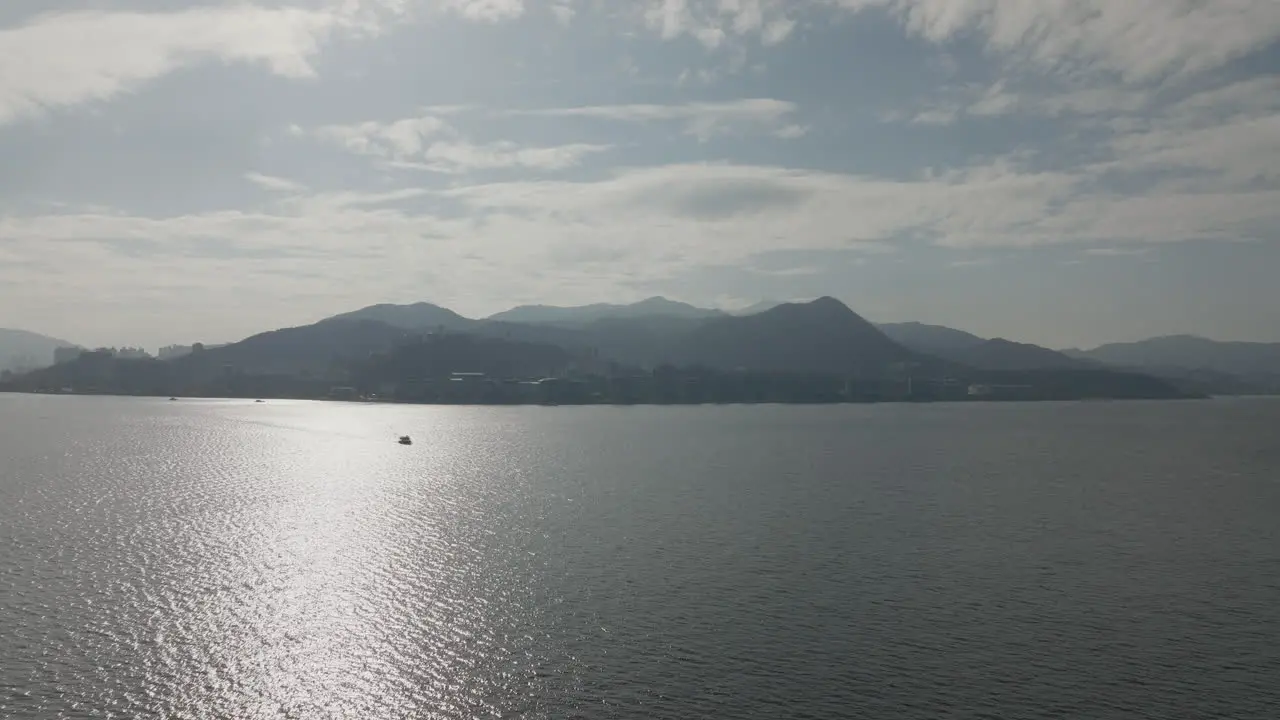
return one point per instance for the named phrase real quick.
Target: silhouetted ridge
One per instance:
(822, 336)
(418, 316)
(580, 315)
(1001, 354)
(1197, 363)
(816, 351)
(934, 339)
(318, 349)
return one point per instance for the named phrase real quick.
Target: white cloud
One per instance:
(935, 116)
(777, 30)
(998, 100)
(1143, 78)
(711, 22)
(429, 143)
(704, 214)
(461, 157)
(60, 60)
(563, 13)
(1140, 40)
(274, 184)
(1253, 97)
(1118, 252)
(790, 132)
(756, 209)
(577, 241)
(702, 120)
(1237, 151)
(973, 263)
(485, 10)
(395, 140)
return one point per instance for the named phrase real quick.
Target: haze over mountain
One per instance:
(306, 350)
(21, 349)
(419, 315)
(930, 338)
(1001, 354)
(1257, 364)
(761, 306)
(802, 352)
(822, 336)
(819, 336)
(586, 314)
(814, 336)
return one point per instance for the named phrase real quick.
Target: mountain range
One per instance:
(820, 337)
(1214, 366)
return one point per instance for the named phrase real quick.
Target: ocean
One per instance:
(288, 559)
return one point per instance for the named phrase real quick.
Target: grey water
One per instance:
(226, 559)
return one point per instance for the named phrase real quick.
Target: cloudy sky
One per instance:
(1067, 172)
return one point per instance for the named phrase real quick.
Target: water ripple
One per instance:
(219, 559)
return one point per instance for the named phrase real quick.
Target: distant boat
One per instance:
(173, 398)
(257, 401)
(405, 440)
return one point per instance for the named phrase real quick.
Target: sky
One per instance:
(1064, 172)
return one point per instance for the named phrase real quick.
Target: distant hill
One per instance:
(1001, 354)
(980, 353)
(418, 316)
(637, 341)
(586, 314)
(1220, 366)
(823, 336)
(438, 356)
(23, 350)
(320, 349)
(660, 350)
(1189, 351)
(933, 339)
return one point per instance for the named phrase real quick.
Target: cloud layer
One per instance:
(489, 152)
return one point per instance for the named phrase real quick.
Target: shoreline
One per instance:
(981, 400)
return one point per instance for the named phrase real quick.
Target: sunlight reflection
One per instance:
(357, 536)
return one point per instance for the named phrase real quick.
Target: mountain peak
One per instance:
(826, 301)
(418, 315)
(825, 307)
(818, 336)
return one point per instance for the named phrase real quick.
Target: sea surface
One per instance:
(287, 559)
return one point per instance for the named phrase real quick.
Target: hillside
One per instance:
(439, 356)
(24, 350)
(823, 336)
(980, 353)
(321, 349)
(1221, 367)
(418, 316)
(1001, 354)
(933, 339)
(818, 351)
(1189, 351)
